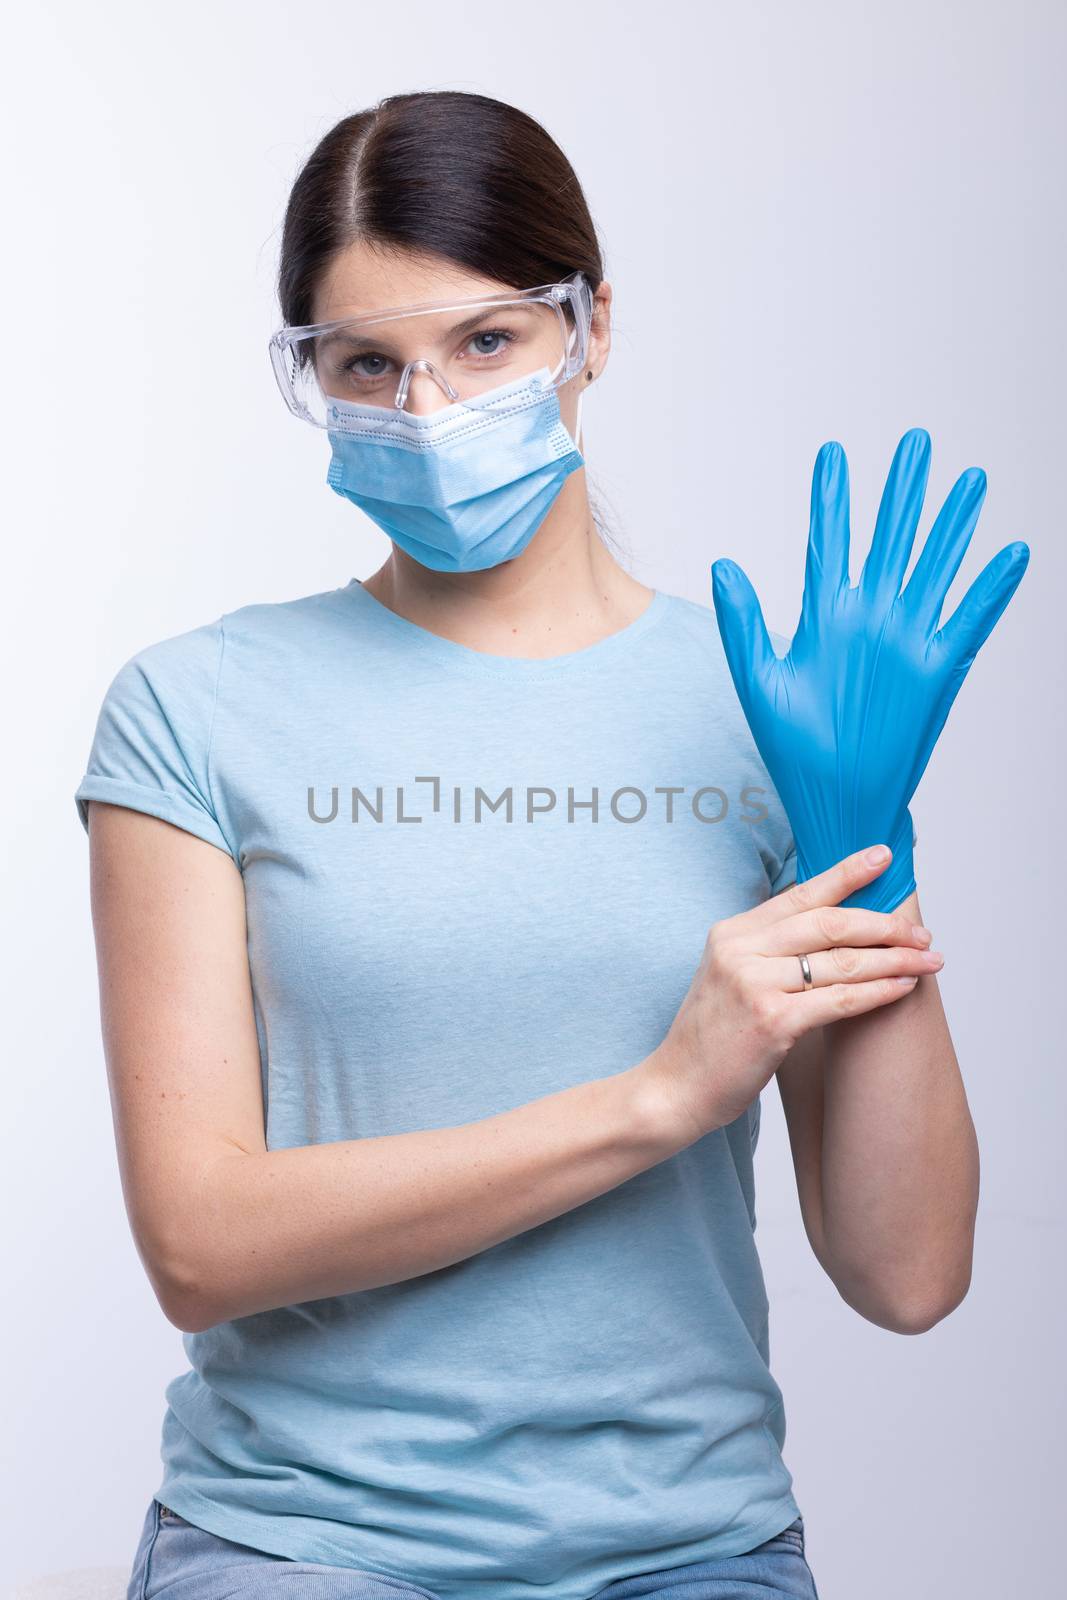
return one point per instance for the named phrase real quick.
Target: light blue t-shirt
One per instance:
(471, 881)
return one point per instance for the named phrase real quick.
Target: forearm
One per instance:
(900, 1165)
(278, 1227)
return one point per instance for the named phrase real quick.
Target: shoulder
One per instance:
(153, 745)
(280, 620)
(169, 690)
(194, 659)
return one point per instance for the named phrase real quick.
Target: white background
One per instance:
(826, 220)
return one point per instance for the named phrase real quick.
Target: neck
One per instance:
(564, 592)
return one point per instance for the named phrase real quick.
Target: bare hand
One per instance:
(748, 1003)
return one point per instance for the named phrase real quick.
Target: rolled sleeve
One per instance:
(151, 749)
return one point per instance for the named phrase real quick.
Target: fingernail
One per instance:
(922, 934)
(935, 958)
(879, 853)
(909, 981)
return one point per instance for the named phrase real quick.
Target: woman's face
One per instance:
(365, 278)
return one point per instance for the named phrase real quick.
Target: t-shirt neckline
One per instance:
(461, 655)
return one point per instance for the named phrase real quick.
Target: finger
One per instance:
(898, 517)
(745, 638)
(825, 927)
(818, 1007)
(827, 888)
(945, 548)
(849, 964)
(978, 612)
(826, 571)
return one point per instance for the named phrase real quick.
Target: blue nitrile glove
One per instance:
(846, 721)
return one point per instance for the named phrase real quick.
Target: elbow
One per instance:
(181, 1288)
(938, 1296)
(186, 1264)
(190, 1310)
(912, 1310)
(183, 1302)
(919, 1316)
(181, 1317)
(187, 1315)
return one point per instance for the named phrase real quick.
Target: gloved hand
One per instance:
(846, 721)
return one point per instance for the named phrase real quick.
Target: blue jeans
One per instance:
(172, 1550)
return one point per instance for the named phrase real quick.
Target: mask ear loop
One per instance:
(578, 423)
(588, 378)
(578, 416)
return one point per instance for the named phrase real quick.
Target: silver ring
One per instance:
(806, 970)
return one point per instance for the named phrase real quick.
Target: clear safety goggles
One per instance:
(468, 348)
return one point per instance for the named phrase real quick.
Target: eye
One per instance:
(367, 366)
(491, 341)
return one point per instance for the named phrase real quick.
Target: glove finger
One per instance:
(749, 651)
(826, 570)
(978, 612)
(898, 517)
(945, 548)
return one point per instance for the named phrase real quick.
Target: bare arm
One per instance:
(886, 1157)
(226, 1227)
(900, 1162)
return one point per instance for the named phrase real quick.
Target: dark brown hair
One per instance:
(457, 175)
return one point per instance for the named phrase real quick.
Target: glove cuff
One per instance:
(893, 886)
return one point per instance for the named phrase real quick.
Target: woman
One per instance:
(435, 1097)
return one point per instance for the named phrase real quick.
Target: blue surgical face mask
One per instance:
(463, 488)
